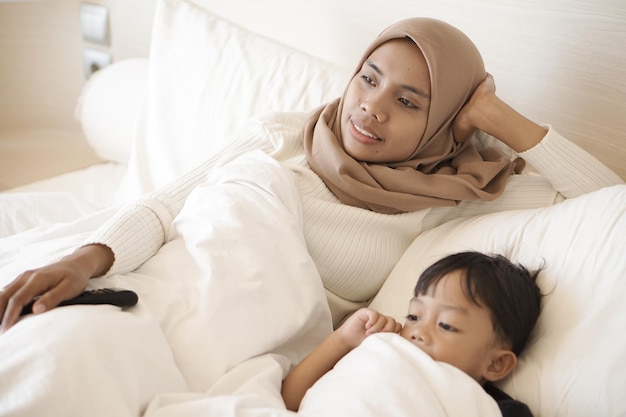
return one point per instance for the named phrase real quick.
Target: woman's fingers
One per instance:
(15, 296)
(64, 290)
(5, 297)
(49, 285)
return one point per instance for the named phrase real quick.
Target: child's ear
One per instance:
(502, 363)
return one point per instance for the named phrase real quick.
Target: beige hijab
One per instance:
(441, 171)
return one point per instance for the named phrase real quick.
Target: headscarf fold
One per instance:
(441, 171)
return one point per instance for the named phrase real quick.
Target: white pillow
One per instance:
(574, 364)
(24, 211)
(109, 105)
(207, 78)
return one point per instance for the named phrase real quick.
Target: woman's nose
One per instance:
(373, 106)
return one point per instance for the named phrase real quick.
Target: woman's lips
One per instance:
(363, 135)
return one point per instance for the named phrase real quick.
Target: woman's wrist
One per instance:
(94, 259)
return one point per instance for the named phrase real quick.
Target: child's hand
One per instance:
(363, 323)
(356, 328)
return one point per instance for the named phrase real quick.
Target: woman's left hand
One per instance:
(485, 111)
(465, 122)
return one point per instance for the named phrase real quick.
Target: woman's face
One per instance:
(386, 105)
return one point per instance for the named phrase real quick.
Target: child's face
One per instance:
(385, 109)
(450, 328)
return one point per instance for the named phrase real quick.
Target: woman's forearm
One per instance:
(487, 112)
(501, 121)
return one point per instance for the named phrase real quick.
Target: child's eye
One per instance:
(412, 317)
(447, 327)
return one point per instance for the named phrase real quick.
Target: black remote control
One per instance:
(113, 296)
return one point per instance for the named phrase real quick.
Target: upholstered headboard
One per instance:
(556, 61)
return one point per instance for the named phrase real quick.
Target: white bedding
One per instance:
(221, 293)
(574, 364)
(225, 307)
(244, 285)
(62, 199)
(385, 376)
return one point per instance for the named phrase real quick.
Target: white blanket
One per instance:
(385, 376)
(236, 281)
(389, 376)
(225, 307)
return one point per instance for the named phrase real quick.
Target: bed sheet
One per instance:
(61, 199)
(96, 184)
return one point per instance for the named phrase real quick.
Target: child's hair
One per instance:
(509, 291)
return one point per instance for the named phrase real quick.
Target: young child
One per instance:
(470, 310)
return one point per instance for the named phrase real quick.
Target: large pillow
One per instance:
(109, 105)
(574, 364)
(207, 78)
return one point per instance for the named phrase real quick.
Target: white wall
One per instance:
(556, 61)
(41, 77)
(41, 67)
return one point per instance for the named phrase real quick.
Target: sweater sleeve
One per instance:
(563, 169)
(137, 231)
(570, 169)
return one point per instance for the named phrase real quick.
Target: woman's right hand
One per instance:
(53, 283)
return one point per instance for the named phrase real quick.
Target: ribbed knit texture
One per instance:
(570, 169)
(354, 249)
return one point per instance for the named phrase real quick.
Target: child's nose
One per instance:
(420, 334)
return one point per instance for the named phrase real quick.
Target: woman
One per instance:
(375, 168)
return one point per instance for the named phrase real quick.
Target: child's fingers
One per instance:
(372, 318)
(397, 327)
(391, 325)
(383, 324)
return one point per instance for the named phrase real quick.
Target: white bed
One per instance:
(182, 355)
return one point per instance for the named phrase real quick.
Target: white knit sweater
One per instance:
(354, 249)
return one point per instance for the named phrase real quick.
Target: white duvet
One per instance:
(385, 376)
(225, 307)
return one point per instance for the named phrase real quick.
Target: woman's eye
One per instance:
(367, 80)
(447, 327)
(412, 317)
(406, 102)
